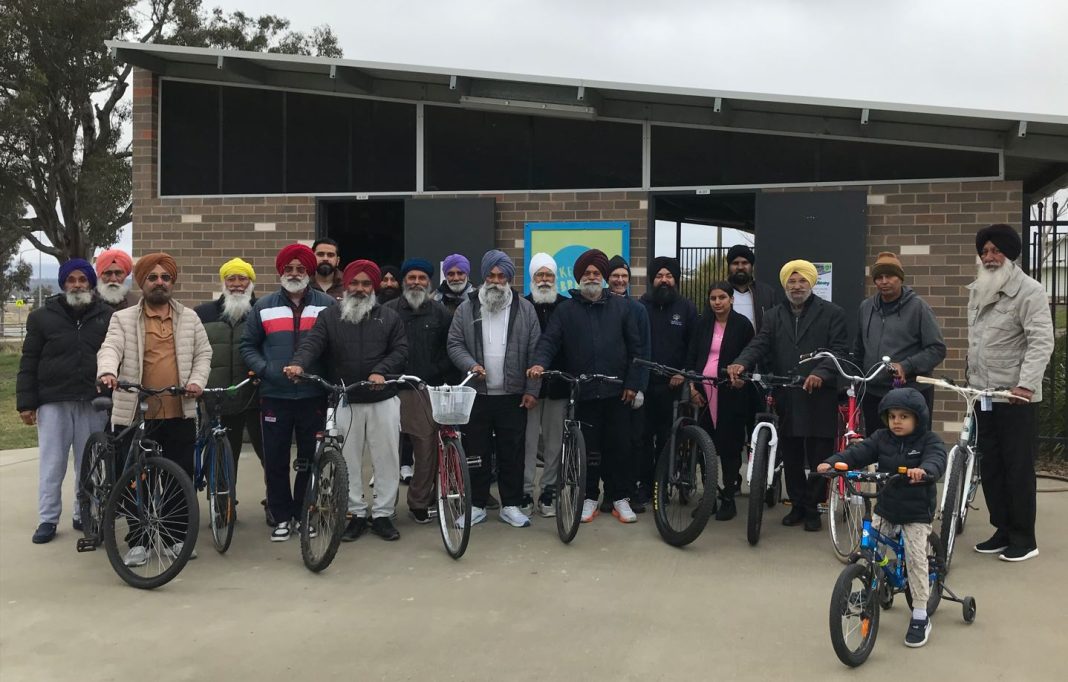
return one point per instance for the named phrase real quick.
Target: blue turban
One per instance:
(500, 259)
(76, 264)
(417, 264)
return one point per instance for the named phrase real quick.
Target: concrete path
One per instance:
(617, 604)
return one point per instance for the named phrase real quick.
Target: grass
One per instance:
(13, 433)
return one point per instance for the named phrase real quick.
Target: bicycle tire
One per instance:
(160, 480)
(845, 519)
(95, 479)
(684, 490)
(571, 484)
(326, 501)
(935, 568)
(855, 597)
(454, 497)
(971, 474)
(757, 486)
(221, 495)
(950, 514)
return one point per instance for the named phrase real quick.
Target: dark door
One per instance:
(822, 227)
(435, 228)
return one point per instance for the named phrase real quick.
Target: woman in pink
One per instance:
(726, 410)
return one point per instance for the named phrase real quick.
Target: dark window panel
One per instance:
(472, 150)
(317, 143)
(189, 138)
(585, 154)
(383, 146)
(253, 141)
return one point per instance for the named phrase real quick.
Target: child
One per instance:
(905, 442)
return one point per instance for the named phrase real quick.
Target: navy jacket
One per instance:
(671, 326)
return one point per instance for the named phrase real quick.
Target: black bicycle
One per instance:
(147, 517)
(687, 471)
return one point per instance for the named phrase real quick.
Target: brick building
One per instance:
(240, 153)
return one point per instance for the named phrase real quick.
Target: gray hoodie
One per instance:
(905, 330)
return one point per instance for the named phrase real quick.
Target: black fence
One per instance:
(700, 267)
(1046, 259)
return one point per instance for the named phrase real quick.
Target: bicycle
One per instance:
(962, 466)
(869, 582)
(571, 484)
(844, 513)
(151, 506)
(213, 464)
(686, 471)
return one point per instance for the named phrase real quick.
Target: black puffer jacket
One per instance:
(59, 354)
(427, 330)
(227, 365)
(902, 503)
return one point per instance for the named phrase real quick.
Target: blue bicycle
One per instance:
(868, 584)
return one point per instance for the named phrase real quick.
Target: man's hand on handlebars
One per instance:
(676, 381)
(194, 390)
(734, 372)
(823, 468)
(376, 379)
(534, 372)
(107, 381)
(812, 383)
(292, 371)
(1023, 393)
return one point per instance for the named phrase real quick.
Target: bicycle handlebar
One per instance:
(881, 479)
(772, 379)
(582, 378)
(969, 393)
(345, 388)
(130, 387)
(671, 371)
(884, 365)
(230, 389)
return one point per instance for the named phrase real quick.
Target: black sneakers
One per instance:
(419, 515)
(1013, 553)
(918, 632)
(795, 517)
(357, 526)
(995, 545)
(727, 509)
(44, 533)
(813, 523)
(383, 528)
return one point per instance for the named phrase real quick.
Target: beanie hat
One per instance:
(887, 263)
(456, 260)
(302, 253)
(365, 266)
(113, 257)
(801, 267)
(76, 264)
(495, 258)
(741, 250)
(236, 266)
(662, 262)
(594, 257)
(1004, 237)
(539, 261)
(617, 262)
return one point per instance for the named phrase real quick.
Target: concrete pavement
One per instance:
(616, 604)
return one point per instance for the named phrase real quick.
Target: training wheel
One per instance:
(968, 606)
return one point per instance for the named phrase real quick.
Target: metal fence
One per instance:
(1046, 259)
(700, 266)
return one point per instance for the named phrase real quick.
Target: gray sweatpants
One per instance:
(373, 427)
(544, 422)
(915, 556)
(61, 427)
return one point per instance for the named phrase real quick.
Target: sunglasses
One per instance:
(164, 277)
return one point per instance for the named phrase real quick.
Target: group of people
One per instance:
(365, 322)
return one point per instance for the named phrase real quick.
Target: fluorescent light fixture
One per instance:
(516, 106)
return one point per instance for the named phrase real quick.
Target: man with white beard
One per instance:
(426, 324)
(113, 267)
(273, 330)
(363, 341)
(1010, 340)
(493, 334)
(224, 321)
(57, 382)
(456, 284)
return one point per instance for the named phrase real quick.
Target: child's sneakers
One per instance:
(918, 632)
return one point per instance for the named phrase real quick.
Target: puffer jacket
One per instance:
(1010, 339)
(123, 355)
(227, 365)
(903, 502)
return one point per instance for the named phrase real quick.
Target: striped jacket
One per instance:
(272, 333)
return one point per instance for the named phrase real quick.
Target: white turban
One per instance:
(539, 261)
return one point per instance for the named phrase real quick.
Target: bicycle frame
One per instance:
(768, 421)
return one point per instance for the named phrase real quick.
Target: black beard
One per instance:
(325, 269)
(157, 296)
(386, 294)
(741, 278)
(664, 294)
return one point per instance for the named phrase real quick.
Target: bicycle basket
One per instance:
(451, 404)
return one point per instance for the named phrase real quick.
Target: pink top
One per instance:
(712, 369)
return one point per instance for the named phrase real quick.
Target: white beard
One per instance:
(416, 296)
(112, 292)
(543, 293)
(989, 282)
(458, 287)
(495, 297)
(236, 306)
(591, 290)
(295, 287)
(78, 299)
(355, 309)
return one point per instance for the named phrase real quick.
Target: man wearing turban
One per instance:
(360, 340)
(224, 321)
(1010, 340)
(113, 266)
(596, 332)
(56, 382)
(808, 418)
(273, 330)
(456, 284)
(157, 343)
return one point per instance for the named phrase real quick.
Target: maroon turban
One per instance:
(148, 262)
(594, 257)
(365, 266)
(302, 253)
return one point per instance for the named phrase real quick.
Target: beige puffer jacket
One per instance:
(123, 354)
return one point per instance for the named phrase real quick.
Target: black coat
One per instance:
(227, 365)
(59, 353)
(427, 331)
(670, 328)
(778, 346)
(553, 389)
(733, 403)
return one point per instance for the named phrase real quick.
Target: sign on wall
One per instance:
(566, 241)
(823, 282)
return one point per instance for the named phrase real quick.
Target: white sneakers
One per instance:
(136, 556)
(514, 517)
(280, 532)
(622, 511)
(173, 551)
(478, 515)
(589, 510)
(406, 473)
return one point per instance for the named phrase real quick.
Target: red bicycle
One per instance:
(451, 406)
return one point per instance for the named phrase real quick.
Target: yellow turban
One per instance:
(801, 267)
(236, 266)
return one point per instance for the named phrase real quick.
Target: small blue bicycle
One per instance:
(871, 579)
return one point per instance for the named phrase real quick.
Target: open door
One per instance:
(435, 228)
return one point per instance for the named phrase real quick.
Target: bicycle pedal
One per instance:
(86, 545)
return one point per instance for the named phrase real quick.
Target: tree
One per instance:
(13, 278)
(64, 164)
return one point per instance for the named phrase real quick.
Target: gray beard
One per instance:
(457, 287)
(78, 299)
(591, 290)
(797, 305)
(543, 293)
(295, 287)
(112, 292)
(416, 296)
(355, 309)
(989, 282)
(236, 306)
(495, 297)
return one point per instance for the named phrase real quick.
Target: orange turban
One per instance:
(148, 262)
(113, 257)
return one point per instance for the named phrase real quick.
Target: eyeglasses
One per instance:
(165, 277)
(298, 269)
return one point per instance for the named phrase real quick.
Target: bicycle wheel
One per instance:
(151, 523)
(935, 574)
(221, 495)
(971, 475)
(571, 483)
(757, 486)
(947, 525)
(322, 516)
(846, 519)
(94, 485)
(854, 615)
(454, 497)
(684, 490)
